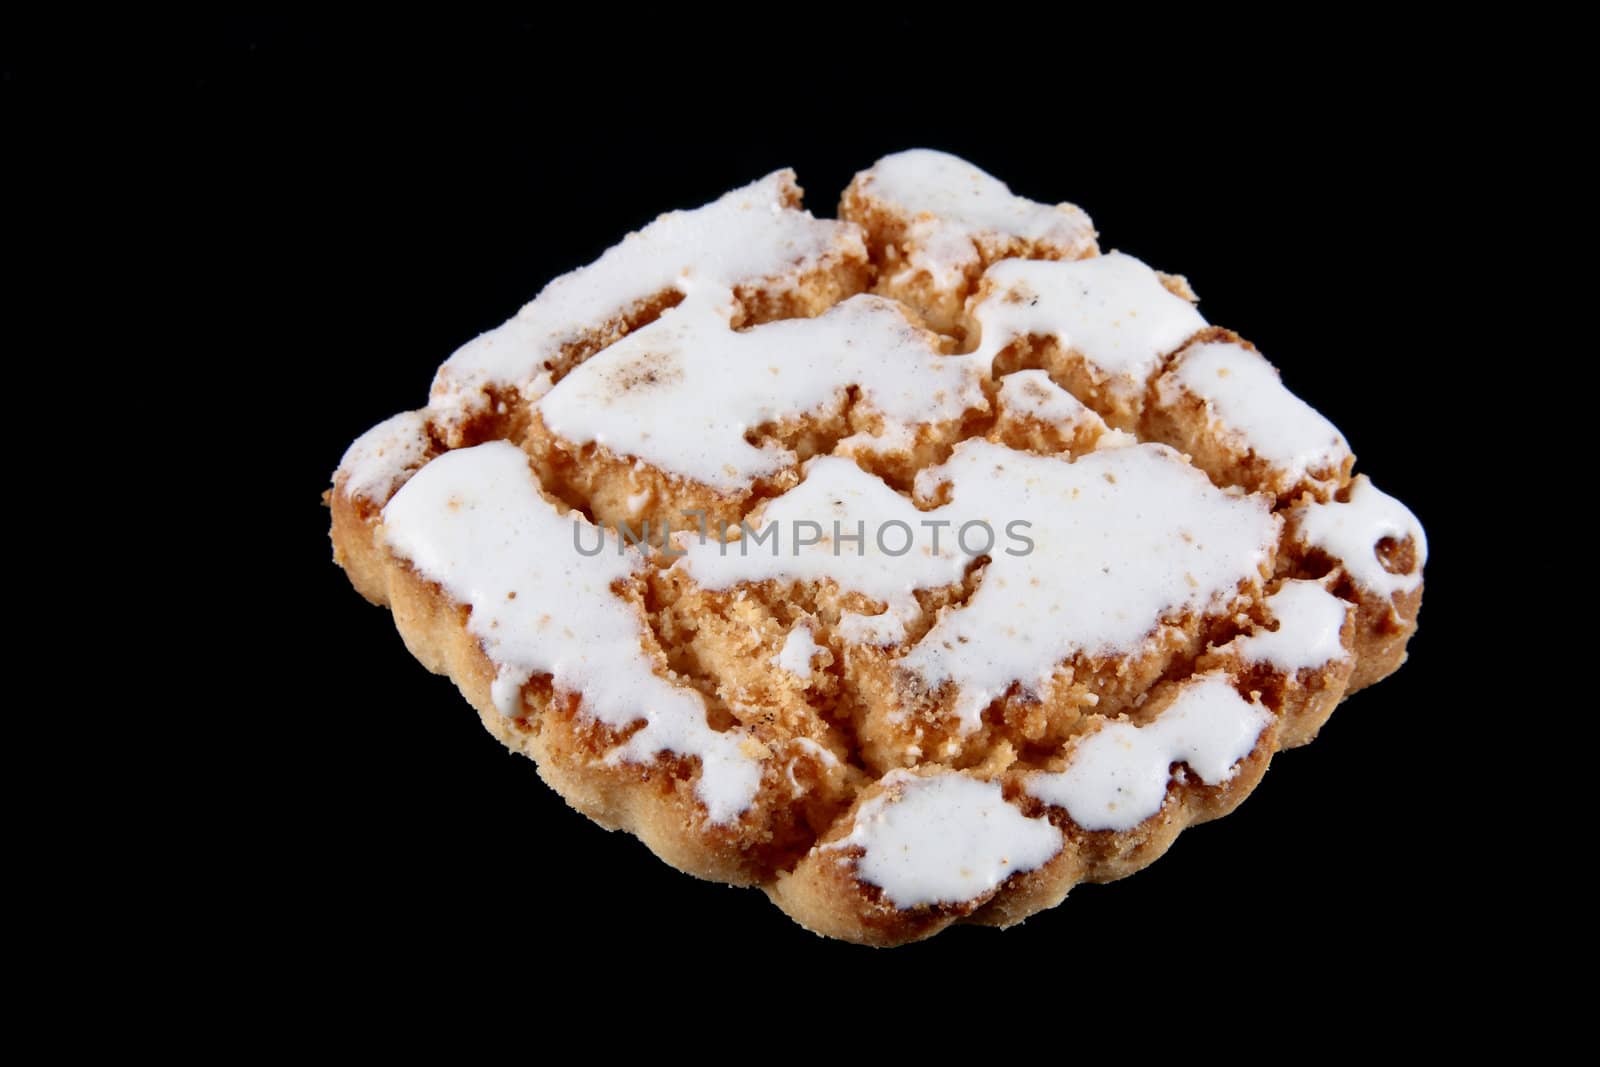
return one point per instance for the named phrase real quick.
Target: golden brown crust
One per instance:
(351, 533)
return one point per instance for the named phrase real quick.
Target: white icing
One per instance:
(885, 629)
(682, 392)
(952, 202)
(1117, 776)
(474, 521)
(1111, 309)
(1350, 532)
(944, 839)
(828, 758)
(836, 490)
(749, 235)
(1115, 439)
(1031, 393)
(1122, 539)
(380, 460)
(1250, 401)
(1309, 619)
(795, 656)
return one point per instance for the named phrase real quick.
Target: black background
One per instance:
(351, 202)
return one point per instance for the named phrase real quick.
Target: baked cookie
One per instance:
(913, 567)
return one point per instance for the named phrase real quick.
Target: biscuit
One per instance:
(913, 567)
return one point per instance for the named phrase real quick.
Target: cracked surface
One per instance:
(768, 694)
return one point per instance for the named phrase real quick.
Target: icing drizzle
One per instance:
(798, 649)
(752, 234)
(944, 839)
(682, 392)
(1111, 309)
(1350, 533)
(475, 522)
(954, 204)
(1309, 619)
(380, 460)
(1122, 539)
(1250, 401)
(1032, 393)
(1117, 777)
(836, 491)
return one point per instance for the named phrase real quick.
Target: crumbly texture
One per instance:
(851, 710)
